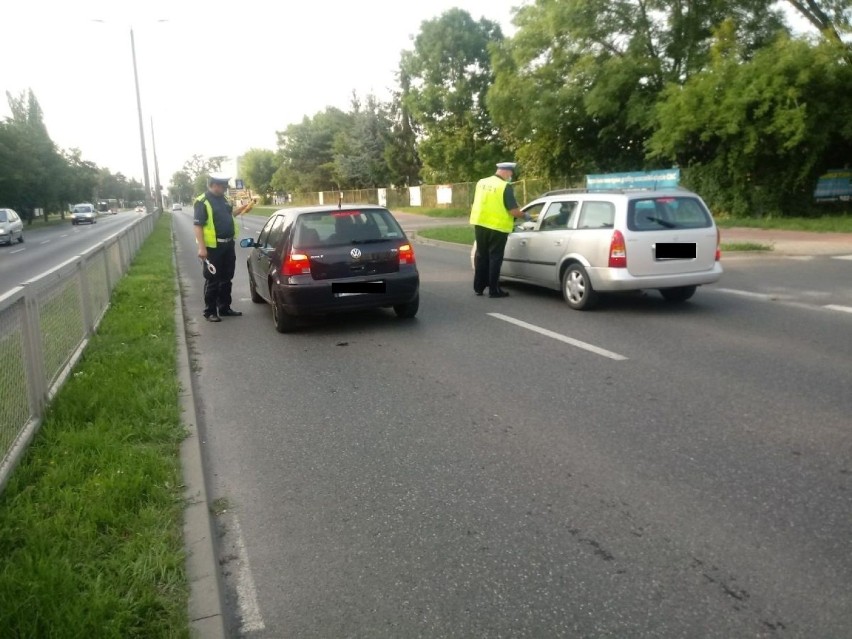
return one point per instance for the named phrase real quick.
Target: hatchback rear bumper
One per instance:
(620, 279)
(316, 297)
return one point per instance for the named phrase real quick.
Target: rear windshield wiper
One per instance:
(668, 225)
(372, 241)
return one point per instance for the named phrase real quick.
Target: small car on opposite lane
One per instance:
(11, 227)
(324, 259)
(83, 213)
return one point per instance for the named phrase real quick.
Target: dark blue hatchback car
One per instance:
(320, 260)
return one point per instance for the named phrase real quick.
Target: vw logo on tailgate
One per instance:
(355, 253)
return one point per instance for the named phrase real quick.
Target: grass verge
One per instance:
(91, 520)
(458, 234)
(434, 212)
(825, 224)
(745, 246)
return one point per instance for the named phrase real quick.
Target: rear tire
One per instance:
(678, 294)
(577, 288)
(284, 322)
(409, 309)
(255, 297)
(21, 238)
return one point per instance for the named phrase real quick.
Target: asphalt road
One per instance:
(46, 247)
(461, 475)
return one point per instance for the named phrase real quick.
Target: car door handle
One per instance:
(558, 242)
(523, 242)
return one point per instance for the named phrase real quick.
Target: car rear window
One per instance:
(659, 213)
(330, 228)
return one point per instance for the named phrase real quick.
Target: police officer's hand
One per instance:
(527, 216)
(202, 252)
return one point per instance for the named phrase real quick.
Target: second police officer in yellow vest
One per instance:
(215, 234)
(493, 217)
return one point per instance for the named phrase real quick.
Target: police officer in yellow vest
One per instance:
(215, 234)
(492, 215)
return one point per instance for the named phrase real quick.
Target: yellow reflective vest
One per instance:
(488, 209)
(210, 234)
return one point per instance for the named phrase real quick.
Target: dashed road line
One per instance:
(841, 257)
(252, 621)
(559, 337)
(45, 242)
(17, 251)
(769, 297)
(838, 307)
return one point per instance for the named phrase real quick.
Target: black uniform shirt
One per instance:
(223, 218)
(509, 200)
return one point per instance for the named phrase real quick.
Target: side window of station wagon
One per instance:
(559, 216)
(597, 215)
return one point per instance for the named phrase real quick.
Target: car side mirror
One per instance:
(247, 242)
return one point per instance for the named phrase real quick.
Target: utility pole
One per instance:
(157, 188)
(141, 126)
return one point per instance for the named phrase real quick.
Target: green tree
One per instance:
(258, 166)
(447, 75)
(753, 136)
(401, 155)
(359, 149)
(306, 150)
(575, 88)
(181, 187)
(33, 168)
(199, 169)
(831, 17)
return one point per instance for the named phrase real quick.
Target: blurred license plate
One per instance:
(675, 251)
(348, 289)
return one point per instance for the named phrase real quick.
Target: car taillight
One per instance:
(406, 254)
(617, 251)
(296, 264)
(718, 245)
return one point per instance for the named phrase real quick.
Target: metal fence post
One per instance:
(86, 298)
(34, 355)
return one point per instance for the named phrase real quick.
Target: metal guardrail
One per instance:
(44, 326)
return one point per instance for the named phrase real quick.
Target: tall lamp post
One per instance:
(146, 178)
(158, 190)
(141, 125)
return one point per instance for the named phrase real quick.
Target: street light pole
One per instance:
(141, 125)
(157, 188)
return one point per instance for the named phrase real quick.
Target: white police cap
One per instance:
(219, 178)
(507, 166)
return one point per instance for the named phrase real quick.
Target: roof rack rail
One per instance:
(566, 191)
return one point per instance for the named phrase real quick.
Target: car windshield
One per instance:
(658, 213)
(82, 208)
(331, 228)
(3, 217)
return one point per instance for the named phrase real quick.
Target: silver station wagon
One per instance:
(589, 242)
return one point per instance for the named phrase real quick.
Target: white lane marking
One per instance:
(66, 235)
(838, 307)
(841, 257)
(759, 296)
(45, 242)
(558, 336)
(17, 251)
(800, 258)
(252, 621)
